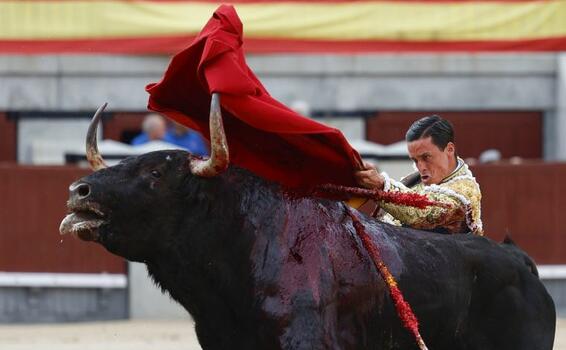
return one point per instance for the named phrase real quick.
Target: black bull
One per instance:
(258, 268)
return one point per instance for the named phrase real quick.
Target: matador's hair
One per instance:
(440, 130)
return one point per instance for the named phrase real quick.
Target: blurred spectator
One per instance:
(191, 140)
(153, 128)
(515, 160)
(471, 161)
(490, 156)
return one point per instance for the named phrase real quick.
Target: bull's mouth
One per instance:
(83, 221)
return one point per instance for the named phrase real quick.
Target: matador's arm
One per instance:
(459, 197)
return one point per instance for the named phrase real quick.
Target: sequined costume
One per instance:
(460, 190)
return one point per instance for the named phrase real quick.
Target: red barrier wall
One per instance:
(528, 202)
(32, 205)
(7, 139)
(513, 133)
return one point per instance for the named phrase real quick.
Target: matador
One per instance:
(442, 176)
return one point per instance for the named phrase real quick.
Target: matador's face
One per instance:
(433, 163)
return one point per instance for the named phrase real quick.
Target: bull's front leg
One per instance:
(301, 323)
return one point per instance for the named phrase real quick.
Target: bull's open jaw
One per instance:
(82, 222)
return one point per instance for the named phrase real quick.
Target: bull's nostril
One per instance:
(83, 190)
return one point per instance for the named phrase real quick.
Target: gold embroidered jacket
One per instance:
(460, 190)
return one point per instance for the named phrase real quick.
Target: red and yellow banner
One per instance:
(138, 27)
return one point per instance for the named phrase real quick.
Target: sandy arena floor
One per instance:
(128, 335)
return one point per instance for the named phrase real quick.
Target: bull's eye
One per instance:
(155, 174)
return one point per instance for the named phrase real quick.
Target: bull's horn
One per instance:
(219, 158)
(94, 158)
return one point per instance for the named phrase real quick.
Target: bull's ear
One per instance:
(94, 158)
(219, 156)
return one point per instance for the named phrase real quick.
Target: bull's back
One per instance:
(466, 291)
(470, 292)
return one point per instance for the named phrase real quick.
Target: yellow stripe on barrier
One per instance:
(361, 20)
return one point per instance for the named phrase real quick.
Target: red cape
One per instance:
(263, 135)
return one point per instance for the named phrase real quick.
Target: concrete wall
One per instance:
(74, 83)
(326, 82)
(557, 290)
(146, 300)
(40, 304)
(557, 117)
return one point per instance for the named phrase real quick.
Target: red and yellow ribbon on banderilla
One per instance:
(402, 307)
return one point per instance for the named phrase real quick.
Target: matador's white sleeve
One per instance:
(461, 214)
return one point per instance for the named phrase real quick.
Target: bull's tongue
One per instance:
(82, 224)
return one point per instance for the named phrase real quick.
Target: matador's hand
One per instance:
(370, 177)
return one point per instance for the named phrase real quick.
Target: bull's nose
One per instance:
(79, 190)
